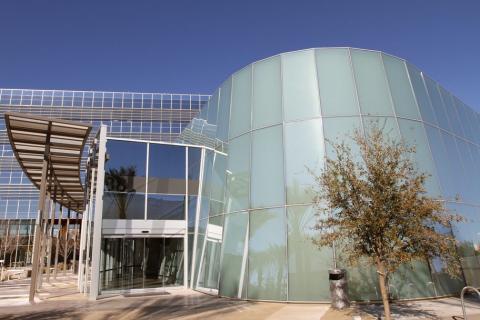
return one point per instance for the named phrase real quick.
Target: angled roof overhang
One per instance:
(61, 143)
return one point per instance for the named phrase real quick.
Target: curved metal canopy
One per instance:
(59, 142)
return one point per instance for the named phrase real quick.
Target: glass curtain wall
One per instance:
(139, 263)
(279, 113)
(152, 182)
(156, 117)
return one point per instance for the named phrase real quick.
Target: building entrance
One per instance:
(139, 263)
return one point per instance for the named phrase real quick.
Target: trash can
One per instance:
(338, 288)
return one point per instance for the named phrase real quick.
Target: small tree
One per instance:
(376, 208)
(8, 240)
(69, 244)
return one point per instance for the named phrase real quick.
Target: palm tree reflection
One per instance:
(119, 185)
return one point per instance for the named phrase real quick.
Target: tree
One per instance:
(8, 240)
(66, 245)
(377, 208)
(120, 183)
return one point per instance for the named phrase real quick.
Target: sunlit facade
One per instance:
(151, 116)
(272, 119)
(226, 205)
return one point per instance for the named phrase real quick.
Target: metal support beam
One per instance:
(81, 260)
(50, 236)
(37, 236)
(43, 243)
(57, 245)
(98, 215)
(65, 250)
(75, 236)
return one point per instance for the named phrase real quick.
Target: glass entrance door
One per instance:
(137, 263)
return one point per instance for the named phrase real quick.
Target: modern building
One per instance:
(227, 208)
(149, 116)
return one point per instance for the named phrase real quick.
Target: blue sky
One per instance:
(192, 46)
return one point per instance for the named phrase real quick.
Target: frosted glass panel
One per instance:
(411, 281)
(213, 108)
(402, 94)
(233, 248)
(464, 118)
(451, 112)
(421, 95)
(338, 130)
(437, 103)
(267, 168)
(304, 149)
(218, 184)
(414, 135)
(307, 264)
(373, 91)
(224, 110)
(267, 265)
(444, 167)
(210, 268)
(335, 79)
(238, 174)
(241, 101)
(456, 165)
(267, 96)
(469, 166)
(300, 91)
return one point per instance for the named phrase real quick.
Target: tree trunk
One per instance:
(383, 288)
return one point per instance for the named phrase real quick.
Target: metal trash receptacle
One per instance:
(338, 288)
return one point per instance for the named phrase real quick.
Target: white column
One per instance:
(81, 261)
(57, 245)
(97, 225)
(197, 217)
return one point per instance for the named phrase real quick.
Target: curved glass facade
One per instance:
(271, 119)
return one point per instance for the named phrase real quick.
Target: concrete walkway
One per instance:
(59, 300)
(15, 292)
(445, 308)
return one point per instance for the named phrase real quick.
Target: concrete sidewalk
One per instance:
(15, 292)
(445, 308)
(60, 300)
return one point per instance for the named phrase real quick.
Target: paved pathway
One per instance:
(59, 300)
(15, 292)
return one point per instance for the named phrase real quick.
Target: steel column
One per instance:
(38, 228)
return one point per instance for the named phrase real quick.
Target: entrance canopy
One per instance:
(60, 143)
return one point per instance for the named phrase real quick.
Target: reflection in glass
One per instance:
(194, 158)
(123, 205)
(165, 207)
(373, 91)
(304, 151)
(132, 263)
(336, 83)
(166, 172)
(124, 180)
(238, 174)
(267, 265)
(400, 88)
(469, 242)
(267, 93)
(233, 249)
(267, 185)
(421, 95)
(414, 135)
(300, 88)
(307, 264)
(210, 266)
(241, 102)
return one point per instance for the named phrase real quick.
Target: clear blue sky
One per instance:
(192, 46)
